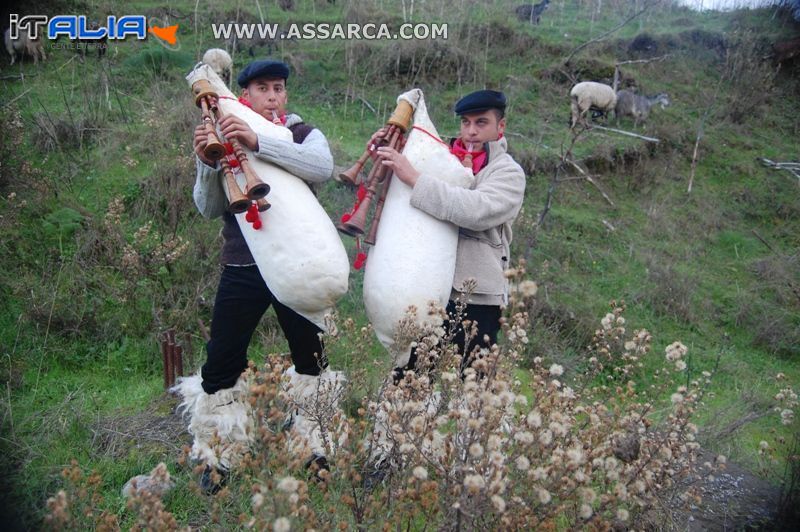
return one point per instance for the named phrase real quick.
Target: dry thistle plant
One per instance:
(486, 446)
(776, 448)
(78, 505)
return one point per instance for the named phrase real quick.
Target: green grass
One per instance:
(80, 346)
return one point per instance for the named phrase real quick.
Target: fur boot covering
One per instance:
(315, 414)
(221, 423)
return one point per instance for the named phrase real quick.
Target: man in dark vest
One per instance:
(243, 296)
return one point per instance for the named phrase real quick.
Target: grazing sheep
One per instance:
(24, 45)
(220, 62)
(531, 12)
(637, 106)
(591, 95)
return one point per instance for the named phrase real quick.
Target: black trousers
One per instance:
(487, 320)
(242, 298)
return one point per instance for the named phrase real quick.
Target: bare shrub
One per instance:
(775, 329)
(670, 292)
(703, 39)
(165, 197)
(65, 132)
(780, 275)
(557, 331)
(366, 11)
(580, 69)
(789, 503)
(750, 77)
(408, 61)
(771, 313)
(10, 159)
(776, 450)
(507, 39)
(60, 304)
(137, 263)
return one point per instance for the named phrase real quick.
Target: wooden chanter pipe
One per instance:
(376, 216)
(356, 224)
(378, 176)
(206, 99)
(237, 201)
(255, 188)
(350, 176)
(263, 204)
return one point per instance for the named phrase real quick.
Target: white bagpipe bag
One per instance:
(414, 257)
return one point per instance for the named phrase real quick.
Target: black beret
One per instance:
(481, 101)
(265, 68)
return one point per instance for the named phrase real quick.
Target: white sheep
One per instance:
(220, 61)
(591, 95)
(23, 45)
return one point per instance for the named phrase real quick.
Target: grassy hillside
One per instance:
(102, 248)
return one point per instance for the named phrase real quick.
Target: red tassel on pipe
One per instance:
(252, 213)
(361, 258)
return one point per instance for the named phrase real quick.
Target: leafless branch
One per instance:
(617, 65)
(790, 166)
(628, 133)
(701, 132)
(554, 180)
(599, 38)
(694, 157)
(651, 60)
(588, 178)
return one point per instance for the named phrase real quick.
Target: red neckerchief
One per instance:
(478, 157)
(244, 101)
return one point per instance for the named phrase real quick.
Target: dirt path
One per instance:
(734, 499)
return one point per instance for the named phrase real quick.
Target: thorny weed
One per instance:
(488, 446)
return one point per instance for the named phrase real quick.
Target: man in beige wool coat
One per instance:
(484, 213)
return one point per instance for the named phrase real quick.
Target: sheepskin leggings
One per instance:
(487, 318)
(242, 299)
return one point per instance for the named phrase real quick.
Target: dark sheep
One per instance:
(637, 106)
(531, 12)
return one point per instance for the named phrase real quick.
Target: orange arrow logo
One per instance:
(165, 34)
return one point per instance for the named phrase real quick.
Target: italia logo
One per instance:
(79, 28)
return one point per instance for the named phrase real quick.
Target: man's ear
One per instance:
(501, 125)
(245, 94)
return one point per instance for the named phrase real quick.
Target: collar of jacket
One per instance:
(495, 148)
